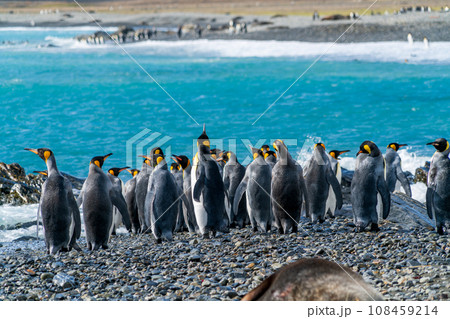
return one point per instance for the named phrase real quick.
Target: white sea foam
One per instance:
(395, 51)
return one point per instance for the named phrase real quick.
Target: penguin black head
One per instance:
(175, 166)
(215, 153)
(225, 156)
(157, 158)
(43, 153)
(203, 139)
(156, 150)
(99, 160)
(265, 148)
(204, 150)
(182, 160)
(319, 145)
(43, 173)
(277, 144)
(268, 153)
(396, 146)
(441, 144)
(368, 147)
(335, 154)
(134, 171)
(115, 171)
(257, 152)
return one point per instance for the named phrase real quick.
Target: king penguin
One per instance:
(59, 210)
(256, 184)
(161, 202)
(394, 170)
(369, 181)
(438, 191)
(333, 156)
(288, 190)
(270, 157)
(113, 174)
(98, 196)
(129, 193)
(177, 172)
(188, 207)
(319, 179)
(208, 191)
(233, 173)
(141, 186)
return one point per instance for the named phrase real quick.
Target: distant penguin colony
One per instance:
(215, 192)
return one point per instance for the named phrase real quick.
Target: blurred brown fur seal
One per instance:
(313, 279)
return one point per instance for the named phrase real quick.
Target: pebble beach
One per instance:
(402, 264)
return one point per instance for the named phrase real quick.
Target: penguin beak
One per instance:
(432, 143)
(145, 156)
(129, 171)
(401, 145)
(33, 150)
(122, 169)
(107, 155)
(342, 152)
(358, 153)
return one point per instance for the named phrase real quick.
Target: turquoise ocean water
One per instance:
(82, 101)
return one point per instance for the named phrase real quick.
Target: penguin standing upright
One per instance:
(333, 156)
(98, 197)
(188, 207)
(271, 158)
(319, 178)
(161, 202)
(59, 210)
(142, 184)
(288, 190)
(208, 191)
(438, 191)
(256, 185)
(394, 170)
(141, 191)
(368, 181)
(113, 174)
(129, 193)
(176, 171)
(233, 173)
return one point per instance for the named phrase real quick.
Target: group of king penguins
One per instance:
(215, 192)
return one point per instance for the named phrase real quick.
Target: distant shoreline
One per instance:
(371, 28)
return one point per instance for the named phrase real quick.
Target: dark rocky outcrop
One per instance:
(18, 188)
(421, 174)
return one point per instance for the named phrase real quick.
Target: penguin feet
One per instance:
(105, 246)
(441, 230)
(205, 235)
(76, 247)
(359, 229)
(158, 240)
(374, 227)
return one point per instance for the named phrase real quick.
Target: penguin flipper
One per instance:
(302, 183)
(385, 196)
(199, 184)
(403, 180)
(118, 201)
(332, 180)
(240, 190)
(430, 202)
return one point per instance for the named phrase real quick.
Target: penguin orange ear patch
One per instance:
(159, 159)
(367, 148)
(255, 155)
(47, 155)
(266, 155)
(97, 163)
